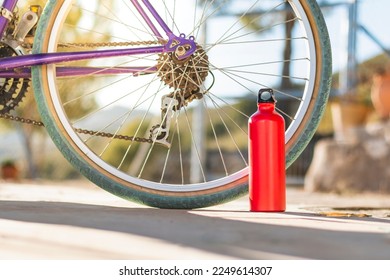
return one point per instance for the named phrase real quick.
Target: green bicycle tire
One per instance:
(192, 199)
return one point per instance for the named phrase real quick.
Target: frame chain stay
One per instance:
(80, 130)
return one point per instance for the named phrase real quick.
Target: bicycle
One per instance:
(149, 99)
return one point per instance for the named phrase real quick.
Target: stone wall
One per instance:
(360, 163)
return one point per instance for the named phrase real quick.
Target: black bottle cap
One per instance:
(266, 95)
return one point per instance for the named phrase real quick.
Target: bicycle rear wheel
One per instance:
(101, 121)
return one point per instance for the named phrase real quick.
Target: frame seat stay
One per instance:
(59, 57)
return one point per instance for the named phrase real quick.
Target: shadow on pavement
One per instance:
(338, 219)
(252, 239)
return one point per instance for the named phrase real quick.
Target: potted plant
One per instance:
(9, 170)
(380, 93)
(350, 110)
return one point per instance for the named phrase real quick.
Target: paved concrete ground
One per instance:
(80, 221)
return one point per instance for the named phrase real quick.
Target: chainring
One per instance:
(12, 90)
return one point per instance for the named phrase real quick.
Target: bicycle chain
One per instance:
(82, 131)
(115, 136)
(111, 44)
(21, 120)
(86, 131)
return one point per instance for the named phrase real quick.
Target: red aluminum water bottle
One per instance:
(267, 174)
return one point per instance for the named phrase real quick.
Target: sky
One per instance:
(374, 15)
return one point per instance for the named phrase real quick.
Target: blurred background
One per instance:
(351, 139)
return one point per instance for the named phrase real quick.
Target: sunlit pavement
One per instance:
(76, 220)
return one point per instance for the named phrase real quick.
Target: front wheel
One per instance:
(172, 133)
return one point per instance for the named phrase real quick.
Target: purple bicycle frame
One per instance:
(19, 66)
